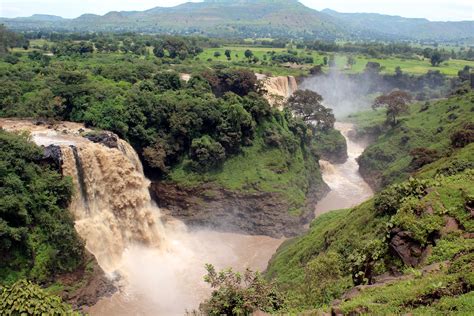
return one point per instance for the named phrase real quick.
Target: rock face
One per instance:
(407, 248)
(107, 139)
(52, 156)
(94, 285)
(261, 213)
(279, 89)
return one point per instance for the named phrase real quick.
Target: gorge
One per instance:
(157, 261)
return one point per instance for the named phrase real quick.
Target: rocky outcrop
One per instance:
(107, 139)
(85, 286)
(406, 248)
(52, 156)
(259, 213)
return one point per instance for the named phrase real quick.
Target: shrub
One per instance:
(389, 200)
(463, 137)
(324, 279)
(26, 298)
(455, 167)
(422, 156)
(363, 261)
(206, 153)
(236, 294)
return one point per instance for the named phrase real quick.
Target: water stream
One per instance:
(348, 188)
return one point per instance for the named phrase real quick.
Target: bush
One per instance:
(236, 294)
(389, 200)
(463, 137)
(423, 156)
(324, 279)
(206, 153)
(455, 167)
(26, 298)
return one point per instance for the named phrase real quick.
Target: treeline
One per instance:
(9, 39)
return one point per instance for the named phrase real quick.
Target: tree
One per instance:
(227, 53)
(248, 54)
(351, 61)
(158, 51)
(236, 294)
(307, 104)
(325, 60)
(217, 54)
(436, 58)
(396, 103)
(206, 153)
(167, 80)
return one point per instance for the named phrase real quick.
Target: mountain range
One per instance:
(253, 18)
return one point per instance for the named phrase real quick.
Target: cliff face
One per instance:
(279, 89)
(258, 213)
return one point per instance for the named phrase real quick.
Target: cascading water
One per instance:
(348, 188)
(112, 207)
(161, 266)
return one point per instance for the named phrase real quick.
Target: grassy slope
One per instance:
(344, 232)
(388, 158)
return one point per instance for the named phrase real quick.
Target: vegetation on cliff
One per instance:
(38, 236)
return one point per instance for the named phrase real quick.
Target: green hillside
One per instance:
(254, 19)
(407, 250)
(424, 131)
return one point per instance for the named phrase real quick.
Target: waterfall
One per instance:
(112, 205)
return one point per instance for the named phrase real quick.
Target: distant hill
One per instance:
(252, 18)
(408, 28)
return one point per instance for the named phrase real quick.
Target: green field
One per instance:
(410, 66)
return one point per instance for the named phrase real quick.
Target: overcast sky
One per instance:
(435, 10)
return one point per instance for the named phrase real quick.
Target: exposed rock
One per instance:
(52, 155)
(260, 213)
(107, 139)
(408, 249)
(450, 225)
(93, 282)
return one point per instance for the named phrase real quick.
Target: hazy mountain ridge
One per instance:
(252, 18)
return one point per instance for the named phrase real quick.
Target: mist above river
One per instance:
(341, 92)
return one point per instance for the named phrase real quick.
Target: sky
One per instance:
(435, 10)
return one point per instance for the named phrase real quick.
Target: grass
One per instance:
(388, 158)
(409, 66)
(414, 66)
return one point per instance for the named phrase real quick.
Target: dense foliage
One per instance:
(26, 298)
(38, 236)
(240, 294)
